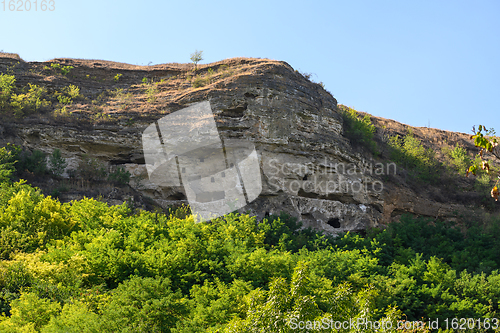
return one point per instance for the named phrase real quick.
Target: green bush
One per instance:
(7, 86)
(57, 68)
(34, 162)
(29, 313)
(8, 158)
(72, 91)
(29, 101)
(284, 232)
(30, 220)
(144, 305)
(120, 176)
(409, 153)
(57, 163)
(457, 159)
(359, 131)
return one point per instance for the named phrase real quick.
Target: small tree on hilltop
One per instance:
(488, 144)
(196, 57)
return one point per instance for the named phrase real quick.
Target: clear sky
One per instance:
(418, 62)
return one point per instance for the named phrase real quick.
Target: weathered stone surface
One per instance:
(308, 168)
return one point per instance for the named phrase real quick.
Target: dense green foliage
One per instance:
(86, 267)
(358, 130)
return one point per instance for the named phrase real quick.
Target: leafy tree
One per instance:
(30, 220)
(196, 57)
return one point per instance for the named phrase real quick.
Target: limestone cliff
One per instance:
(308, 168)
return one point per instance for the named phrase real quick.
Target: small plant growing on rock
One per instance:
(151, 92)
(117, 77)
(199, 82)
(68, 94)
(57, 68)
(124, 99)
(224, 71)
(72, 91)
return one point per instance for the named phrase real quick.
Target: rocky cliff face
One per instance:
(308, 167)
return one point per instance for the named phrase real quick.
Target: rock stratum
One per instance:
(309, 169)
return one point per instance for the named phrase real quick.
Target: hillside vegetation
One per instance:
(86, 267)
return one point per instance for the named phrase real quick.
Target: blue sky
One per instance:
(415, 62)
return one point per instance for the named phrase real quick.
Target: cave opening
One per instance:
(334, 222)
